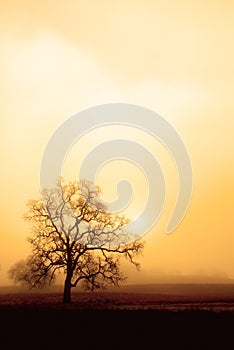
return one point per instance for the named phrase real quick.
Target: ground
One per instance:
(179, 316)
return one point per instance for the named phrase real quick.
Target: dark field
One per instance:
(132, 317)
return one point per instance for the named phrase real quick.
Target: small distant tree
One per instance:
(72, 232)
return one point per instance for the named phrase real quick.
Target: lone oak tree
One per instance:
(72, 232)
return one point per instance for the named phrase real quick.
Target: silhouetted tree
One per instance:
(73, 232)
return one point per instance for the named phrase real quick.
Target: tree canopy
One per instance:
(73, 233)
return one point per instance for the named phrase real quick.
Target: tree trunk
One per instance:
(67, 291)
(67, 284)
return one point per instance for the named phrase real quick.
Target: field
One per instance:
(185, 316)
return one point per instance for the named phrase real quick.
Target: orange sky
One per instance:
(175, 57)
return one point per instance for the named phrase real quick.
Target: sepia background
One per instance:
(174, 57)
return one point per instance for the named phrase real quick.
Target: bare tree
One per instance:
(72, 232)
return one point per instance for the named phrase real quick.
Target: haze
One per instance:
(176, 58)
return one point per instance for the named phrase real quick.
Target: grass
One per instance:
(179, 317)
